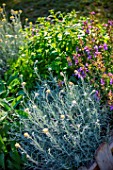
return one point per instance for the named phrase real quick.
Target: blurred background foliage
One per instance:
(39, 8)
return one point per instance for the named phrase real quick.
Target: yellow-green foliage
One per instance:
(79, 47)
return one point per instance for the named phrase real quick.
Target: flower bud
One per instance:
(62, 116)
(48, 91)
(71, 83)
(26, 135)
(23, 83)
(45, 130)
(17, 145)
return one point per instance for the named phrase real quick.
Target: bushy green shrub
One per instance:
(11, 38)
(65, 43)
(9, 157)
(50, 41)
(64, 127)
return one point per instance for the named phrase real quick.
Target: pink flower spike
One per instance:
(92, 13)
(110, 74)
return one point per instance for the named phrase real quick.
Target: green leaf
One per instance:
(22, 113)
(3, 115)
(12, 77)
(13, 83)
(4, 105)
(2, 160)
(2, 144)
(16, 101)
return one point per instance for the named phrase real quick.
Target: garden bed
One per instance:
(56, 90)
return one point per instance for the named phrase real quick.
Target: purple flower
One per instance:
(97, 95)
(89, 26)
(78, 74)
(88, 52)
(110, 22)
(87, 31)
(83, 74)
(91, 21)
(80, 69)
(111, 107)
(78, 55)
(93, 40)
(89, 57)
(62, 82)
(69, 63)
(111, 81)
(86, 64)
(77, 49)
(96, 48)
(86, 48)
(86, 69)
(102, 82)
(105, 46)
(76, 61)
(100, 46)
(97, 53)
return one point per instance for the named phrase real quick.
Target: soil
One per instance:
(39, 8)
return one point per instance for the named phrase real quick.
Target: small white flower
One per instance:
(34, 106)
(36, 61)
(26, 110)
(97, 120)
(45, 130)
(78, 126)
(71, 83)
(26, 135)
(21, 76)
(35, 68)
(27, 156)
(23, 55)
(74, 102)
(61, 73)
(23, 84)
(48, 91)
(17, 145)
(62, 116)
(49, 68)
(88, 109)
(36, 94)
(85, 94)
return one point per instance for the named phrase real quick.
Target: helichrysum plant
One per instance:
(64, 127)
(11, 37)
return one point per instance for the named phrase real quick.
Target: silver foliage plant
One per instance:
(11, 37)
(64, 127)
